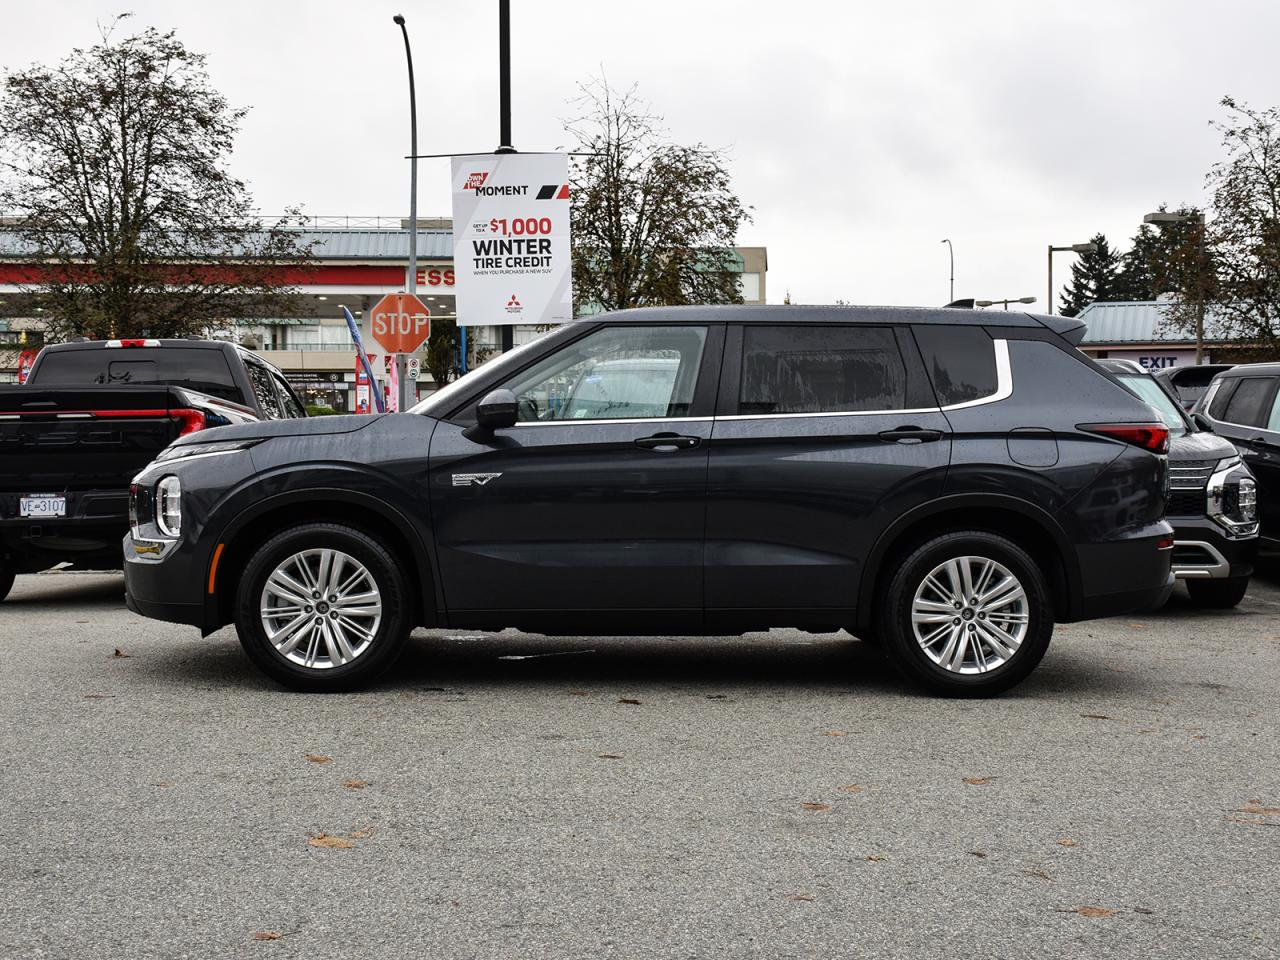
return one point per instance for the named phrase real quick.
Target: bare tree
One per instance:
(654, 222)
(114, 169)
(1244, 234)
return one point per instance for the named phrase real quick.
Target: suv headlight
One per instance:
(1232, 498)
(169, 506)
(180, 451)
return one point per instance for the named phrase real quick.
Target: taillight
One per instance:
(191, 420)
(1149, 436)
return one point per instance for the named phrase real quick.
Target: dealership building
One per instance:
(355, 265)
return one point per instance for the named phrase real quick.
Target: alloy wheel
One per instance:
(970, 615)
(320, 608)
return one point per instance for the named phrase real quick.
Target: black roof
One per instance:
(1252, 370)
(774, 313)
(181, 342)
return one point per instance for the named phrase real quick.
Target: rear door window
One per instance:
(793, 369)
(1250, 404)
(202, 370)
(264, 390)
(288, 401)
(961, 362)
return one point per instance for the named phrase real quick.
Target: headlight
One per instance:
(212, 448)
(1232, 498)
(169, 506)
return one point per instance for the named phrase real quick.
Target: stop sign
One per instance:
(400, 322)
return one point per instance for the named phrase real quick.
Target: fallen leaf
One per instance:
(1039, 874)
(816, 807)
(717, 696)
(163, 783)
(120, 654)
(876, 858)
(1143, 910)
(1200, 736)
(1096, 716)
(1138, 626)
(801, 897)
(99, 696)
(1092, 911)
(318, 758)
(362, 834)
(267, 935)
(1067, 842)
(579, 693)
(835, 733)
(1255, 807)
(609, 756)
(977, 781)
(331, 843)
(356, 784)
(978, 853)
(628, 700)
(852, 788)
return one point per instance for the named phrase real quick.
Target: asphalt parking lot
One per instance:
(782, 795)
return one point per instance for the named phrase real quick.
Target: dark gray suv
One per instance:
(945, 483)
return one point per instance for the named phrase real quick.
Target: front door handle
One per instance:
(668, 442)
(910, 435)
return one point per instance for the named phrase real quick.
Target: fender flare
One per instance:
(1043, 520)
(423, 554)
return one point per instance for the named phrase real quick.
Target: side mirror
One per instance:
(495, 412)
(1202, 422)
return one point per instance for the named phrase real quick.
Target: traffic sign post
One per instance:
(400, 323)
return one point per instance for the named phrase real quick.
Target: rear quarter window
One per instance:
(960, 361)
(1248, 404)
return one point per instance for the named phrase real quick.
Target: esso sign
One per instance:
(400, 323)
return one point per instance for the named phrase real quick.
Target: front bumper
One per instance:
(164, 588)
(1202, 551)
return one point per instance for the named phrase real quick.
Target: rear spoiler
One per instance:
(1070, 329)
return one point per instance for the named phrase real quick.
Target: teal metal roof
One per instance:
(1141, 321)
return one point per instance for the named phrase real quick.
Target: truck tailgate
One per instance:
(84, 438)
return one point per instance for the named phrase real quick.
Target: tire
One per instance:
(318, 649)
(1218, 594)
(951, 663)
(6, 582)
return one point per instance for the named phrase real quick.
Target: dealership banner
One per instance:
(511, 238)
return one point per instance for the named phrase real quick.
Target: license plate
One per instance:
(42, 506)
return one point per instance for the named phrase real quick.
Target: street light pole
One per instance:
(402, 363)
(992, 303)
(504, 114)
(1162, 217)
(952, 251)
(1071, 248)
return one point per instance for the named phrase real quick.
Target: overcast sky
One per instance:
(860, 133)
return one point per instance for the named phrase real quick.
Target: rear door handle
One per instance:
(910, 435)
(668, 442)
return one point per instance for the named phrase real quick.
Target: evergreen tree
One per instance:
(1159, 259)
(1094, 277)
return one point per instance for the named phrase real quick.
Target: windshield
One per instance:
(1145, 388)
(439, 402)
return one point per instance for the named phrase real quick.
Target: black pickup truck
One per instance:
(94, 413)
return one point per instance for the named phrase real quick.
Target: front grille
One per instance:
(1190, 474)
(1186, 503)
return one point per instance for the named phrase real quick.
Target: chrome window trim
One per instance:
(1004, 390)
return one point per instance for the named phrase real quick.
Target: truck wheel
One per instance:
(1218, 594)
(967, 614)
(321, 607)
(6, 582)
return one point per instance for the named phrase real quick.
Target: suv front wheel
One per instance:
(967, 614)
(321, 607)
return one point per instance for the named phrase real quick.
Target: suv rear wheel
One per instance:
(6, 582)
(967, 614)
(321, 607)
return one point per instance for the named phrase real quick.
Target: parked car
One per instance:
(1188, 384)
(1212, 498)
(944, 483)
(94, 413)
(1242, 405)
